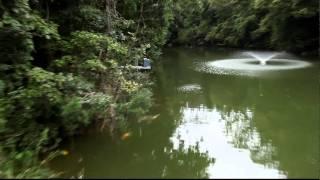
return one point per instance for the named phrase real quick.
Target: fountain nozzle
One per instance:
(263, 62)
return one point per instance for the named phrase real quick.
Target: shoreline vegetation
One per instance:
(59, 68)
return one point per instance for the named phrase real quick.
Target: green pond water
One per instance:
(211, 126)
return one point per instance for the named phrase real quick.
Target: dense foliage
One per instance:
(290, 25)
(64, 67)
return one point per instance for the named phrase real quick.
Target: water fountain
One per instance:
(252, 63)
(263, 57)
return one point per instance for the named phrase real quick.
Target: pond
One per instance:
(211, 125)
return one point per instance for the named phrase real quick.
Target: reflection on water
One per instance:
(230, 140)
(234, 127)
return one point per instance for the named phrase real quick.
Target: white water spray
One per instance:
(248, 65)
(263, 57)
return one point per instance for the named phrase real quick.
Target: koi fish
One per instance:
(125, 136)
(64, 152)
(148, 118)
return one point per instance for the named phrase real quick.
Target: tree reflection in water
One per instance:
(230, 139)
